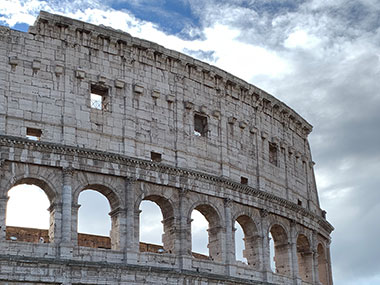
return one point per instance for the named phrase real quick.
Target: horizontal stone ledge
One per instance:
(38, 261)
(163, 168)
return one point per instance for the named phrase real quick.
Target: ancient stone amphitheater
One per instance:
(89, 107)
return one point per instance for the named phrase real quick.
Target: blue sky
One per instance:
(321, 57)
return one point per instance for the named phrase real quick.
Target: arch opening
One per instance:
(199, 237)
(156, 225)
(107, 201)
(322, 265)
(213, 230)
(28, 216)
(304, 257)
(94, 223)
(281, 250)
(239, 244)
(251, 240)
(272, 263)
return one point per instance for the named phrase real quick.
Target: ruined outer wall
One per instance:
(153, 95)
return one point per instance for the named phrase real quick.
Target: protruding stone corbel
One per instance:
(264, 135)
(170, 98)
(80, 74)
(275, 140)
(155, 93)
(14, 61)
(58, 70)
(189, 105)
(138, 88)
(253, 130)
(203, 109)
(242, 125)
(119, 84)
(102, 79)
(216, 114)
(232, 120)
(36, 65)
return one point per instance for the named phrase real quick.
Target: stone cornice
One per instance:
(163, 168)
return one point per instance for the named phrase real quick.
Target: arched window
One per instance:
(304, 257)
(151, 230)
(199, 235)
(108, 207)
(271, 254)
(156, 224)
(281, 250)
(251, 241)
(322, 265)
(27, 215)
(94, 223)
(239, 244)
(214, 231)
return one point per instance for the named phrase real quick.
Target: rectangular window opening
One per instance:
(33, 134)
(244, 180)
(200, 125)
(273, 154)
(99, 97)
(155, 156)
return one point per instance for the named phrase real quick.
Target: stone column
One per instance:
(265, 250)
(184, 232)
(3, 211)
(230, 245)
(66, 225)
(330, 280)
(55, 227)
(293, 253)
(118, 229)
(131, 247)
(314, 249)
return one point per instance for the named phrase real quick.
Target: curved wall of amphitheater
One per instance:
(88, 107)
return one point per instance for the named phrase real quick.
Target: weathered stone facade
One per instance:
(88, 107)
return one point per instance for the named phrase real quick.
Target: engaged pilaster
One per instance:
(66, 228)
(3, 209)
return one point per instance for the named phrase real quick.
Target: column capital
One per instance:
(228, 202)
(2, 162)
(117, 211)
(68, 170)
(129, 179)
(263, 213)
(183, 192)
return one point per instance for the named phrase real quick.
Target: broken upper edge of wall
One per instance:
(61, 27)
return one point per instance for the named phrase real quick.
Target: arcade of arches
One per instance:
(312, 260)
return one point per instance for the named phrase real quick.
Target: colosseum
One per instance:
(89, 107)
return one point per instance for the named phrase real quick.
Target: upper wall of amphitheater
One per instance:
(154, 101)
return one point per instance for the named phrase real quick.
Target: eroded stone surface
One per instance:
(88, 107)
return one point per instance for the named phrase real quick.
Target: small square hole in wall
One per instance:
(299, 202)
(200, 125)
(99, 97)
(244, 180)
(155, 156)
(33, 134)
